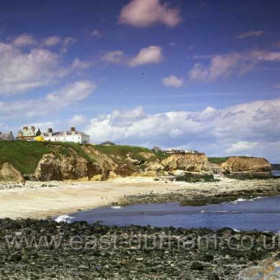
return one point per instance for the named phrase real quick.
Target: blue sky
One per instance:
(195, 74)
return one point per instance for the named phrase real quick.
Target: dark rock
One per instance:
(197, 266)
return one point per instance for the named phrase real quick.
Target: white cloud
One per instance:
(173, 81)
(221, 66)
(24, 40)
(114, 57)
(80, 65)
(67, 43)
(51, 103)
(52, 41)
(23, 69)
(265, 56)
(241, 146)
(64, 43)
(71, 93)
(252, 33)
(224, 66)
(230, 130)
(144, 13)
(149, 55)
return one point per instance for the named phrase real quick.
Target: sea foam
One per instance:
(64, 218)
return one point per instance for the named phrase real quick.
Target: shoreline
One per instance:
(83, 251)
(80, 250)
(42, 200)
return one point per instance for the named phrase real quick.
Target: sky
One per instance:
(188, 74)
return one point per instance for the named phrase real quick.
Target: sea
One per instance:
(262, 214)
(276, 173)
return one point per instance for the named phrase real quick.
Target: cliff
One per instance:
(47, 161)
(246, 167)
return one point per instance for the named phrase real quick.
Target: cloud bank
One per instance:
(249, 128)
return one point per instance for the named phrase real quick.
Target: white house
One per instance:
(67, 136)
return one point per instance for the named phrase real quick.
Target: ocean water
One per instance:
(261, 214)
(276, 173)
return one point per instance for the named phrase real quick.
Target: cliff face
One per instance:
(246, 167)
(187, 162)
(111, 165)
(103, 166)
(69, 161)
(54, 167)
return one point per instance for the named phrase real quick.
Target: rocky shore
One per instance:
(198, 194)
(33, 249)
(30, 185)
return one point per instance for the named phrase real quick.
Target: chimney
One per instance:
(50, 131)
(33, 128)
(25, 127)
(73, 130)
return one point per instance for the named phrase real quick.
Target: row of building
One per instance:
(174, 152)
(33, 134)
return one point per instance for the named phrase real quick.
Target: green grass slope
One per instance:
(217, 160)
(25, 156)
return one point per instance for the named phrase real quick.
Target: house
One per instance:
(7, 136)
(192, 152)
(175, 152)
(27, 134)
(66, 136)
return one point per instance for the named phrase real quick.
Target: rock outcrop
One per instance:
(188, 167)
(53, 167)
(246, 168)
(9, 173)
(187, 162)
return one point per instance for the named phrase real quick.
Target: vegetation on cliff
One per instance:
(25, 156)
(217, 160)
(63, 161)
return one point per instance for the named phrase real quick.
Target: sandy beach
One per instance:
(68, 197)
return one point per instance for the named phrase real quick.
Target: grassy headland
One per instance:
(24, 156)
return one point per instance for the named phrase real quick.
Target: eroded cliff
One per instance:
(246, 168)
(68, 161)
